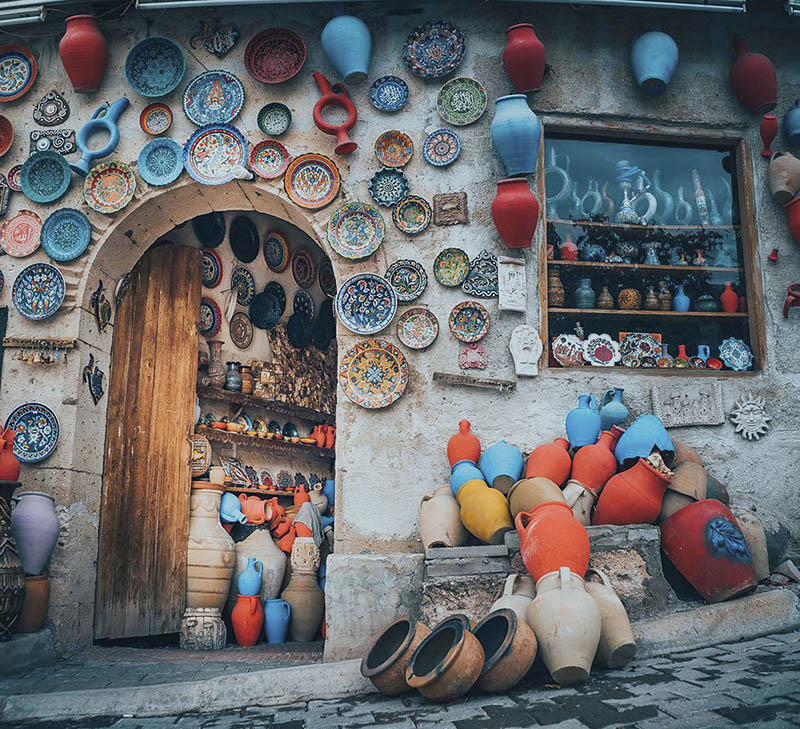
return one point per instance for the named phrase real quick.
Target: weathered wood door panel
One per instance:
(141, 564)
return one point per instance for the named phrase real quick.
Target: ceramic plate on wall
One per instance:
(269, 159)
(274, 119)
(209, 229)
(160, 162)
(37, 432)
(243, 283)
(356, 230)
(451, 267)
(417, 328)
(276, 251)
(20, 235)
(373, 373)
(736, 354)
(326, 279)
(241, 329)
(38, 291)
(441, 148)
(567, 350)
(211, 268)
(155, 66)
(14, 178)
(461, 101)
(600, 350)
(469, 321)
(304, 270)
(264, 311)
(273, 288)
(212, 152)
(275, 55)
(434, 49)
(45, 176)
(389, 93)
(66, 234)
(18, 71)
(481, 281)
(243, 237)
(366, 303)
(210, 317)
(155, 119)
(304, 304)
(312, 181)
(213, 97)
(109, 187)
(407, 278)
(412, 215)
(388, 186)
(394, 149)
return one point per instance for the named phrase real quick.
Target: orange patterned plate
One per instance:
(312, 181)
(373, 373)
(109, 187)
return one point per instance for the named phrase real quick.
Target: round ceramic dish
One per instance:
(408, 279)
(52, 110)
(326, 279)
(109, 187)
(304, 270)
(388, 186)
(366, 303)
(243, 283)
(469, 321)
(356, 230)
(373, 373)
(45, 176)
(304, 304)
(451, 267)
(20, 235)
(276, 251)
(66, 234)
(394, 149)
(38, 291)
(13, 178)
(275, 55)
(243, 239)
(274, 119)
(154, 67)
(269, 159)
(160, 161)
(264, 311)
(461, 101)
(735, 354)
(37, 431)
(434, 49)
(312, 181)
(241, 329)
(155, 119)
(212, 152)
(18, 71)
(417, 328)
(210, 269)
(210, 317)
(273, 288)
(209, 229)
(412, 215)
(389, 93)
(6, 135)
(213, 97)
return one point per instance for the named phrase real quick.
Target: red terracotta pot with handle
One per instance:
(515, 211)
(464, 445)
(594, 464)
(247, 618)
(550, 460)
(84, 53)
(753, 79)
(524, 58)
(633, 496)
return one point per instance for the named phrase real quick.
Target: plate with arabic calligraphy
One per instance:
(20, 235)
(18, 71)
(389, 93)
(38, 291)
(212, 152)
(366, 303)
(213, 97)
(269, 159)
(109, 187)
(417, 328)
(451, 267)
(461, 101)
(394, 148)
(373, 373)
(356, 230)
(275, 55)
(408, 279)
(469, 321)
(312, 181)
(412, 215)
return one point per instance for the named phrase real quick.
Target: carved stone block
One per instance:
(202, 629)
(688, 404)
(450, 208)
(512, 283)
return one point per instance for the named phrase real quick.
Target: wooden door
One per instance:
(141, 564)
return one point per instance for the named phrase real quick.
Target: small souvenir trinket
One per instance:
(101, 306)
(473, 356)
(93, 378)
(750, 417)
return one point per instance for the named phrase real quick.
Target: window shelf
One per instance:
(264, 444)
(277, 406)
(635, 226)
(655, 312)
(643, 266)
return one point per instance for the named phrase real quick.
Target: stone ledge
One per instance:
(469, 566)
(488, 550)
(27, 650)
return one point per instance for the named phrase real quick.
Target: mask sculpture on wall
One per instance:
(750, 417)
(526, 348)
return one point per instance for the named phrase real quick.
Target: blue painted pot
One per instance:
(502, 465)
(638, 441)
(462, 472)
(791, 125)
(347, 44)
(327, 521)
(613, 410)
(681, 302)
(230, 509)
(329, 489)
(654, 57)
(249, 580)
(583, 422)
(516, 134)
(277, 614)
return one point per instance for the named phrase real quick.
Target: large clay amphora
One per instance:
(34, 525)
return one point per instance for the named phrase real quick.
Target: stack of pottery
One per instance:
(501, 465)
(303, 592)
(484, 511)
(583, 422)
(464, 445)
(527, 494)
(689, 484)
(439, 521)
(592, 467)
(634, 496)
(551, 461)
(646, 434)
(388, 657)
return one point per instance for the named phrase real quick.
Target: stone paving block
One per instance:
(698, 720)
(743, 714)
(690, 675)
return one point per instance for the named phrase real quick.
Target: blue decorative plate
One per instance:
(213, 97)
(736, 354)
(45, 176)
(66, 234)
(211, 269)
(160, 161)
(37, 431)
(276, 251)
(243, 283)
(18, 71)
(388, 186)
(366, 303)
(441, 147)
(154, 66)
(38, 291)
(212, 152)
(434, 49)
(389, 93)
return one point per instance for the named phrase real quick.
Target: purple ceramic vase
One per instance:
(34, 526)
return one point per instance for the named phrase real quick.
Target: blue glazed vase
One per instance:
(329, 489)
(638, 441)
(347, 44)
(613, 410)
(584, 294)
(516, 133)
(502, 465)
(791, 125)
(681, 302)
(277, 614)
(230, 509)
(583, 422)
(654, 57)
(249, 580)
(462, 472)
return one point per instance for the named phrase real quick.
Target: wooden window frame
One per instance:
(648, 132)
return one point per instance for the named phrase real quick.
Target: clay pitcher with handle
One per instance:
(783, 177)
(518, 594)
(617, 644)
(439, 520)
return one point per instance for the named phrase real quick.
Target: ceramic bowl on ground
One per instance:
(274, 119)
(155, 66)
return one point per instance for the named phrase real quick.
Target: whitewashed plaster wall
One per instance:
(386, 460)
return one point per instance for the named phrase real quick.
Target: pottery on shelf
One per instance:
(230, 509)
(584, 294)
(509, 647)
(518, 593)
(216, 369)
(583, 422)
(729, 299)
(484, 512)
(34, 526)
(633, 496)
(617, 645)
(277, 615)
(604, 299)
(515, 212)
(387, 659)
(439, 520)
(233, 377)
(247, 618)
(527, 494)
(84, 53)
(753, 79)
(347, 44)
(34, 608)
(464, 445)
(551, 461)
(12, 576)
(654, 58)
(516, 134)
(524, 58)
(555, 289)
(501, 465)
(783, 177)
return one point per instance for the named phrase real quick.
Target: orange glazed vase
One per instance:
(594, 464)
(550, 460)
(632, 497)
(247, 617)
(551, 538)
(464, 445)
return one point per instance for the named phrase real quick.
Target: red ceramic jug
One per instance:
(9, 463)
(768, 131)
(515, 211)
(318, 434)
(330, 97)
(255, 509)
(330, 436)
(524, 58)
(247, 617)
(84, 53)
(464, 445)
(729, 299)
(793, 212)
(594, 464)
(550, 460)
(568, 250)
(551, 538)
(632, 497)
(753, 79)
(792, 299)
(301, 496)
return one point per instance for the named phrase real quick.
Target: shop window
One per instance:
(651, 243)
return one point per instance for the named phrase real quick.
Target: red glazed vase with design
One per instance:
(464, 445)
(550, 460)
(247, 617)
(568, 250)
(524, 58)
(753, 79)
(768, 130)
(729, 299)
(84, 53)
(594, 464)
(632, 497)
(515, 211)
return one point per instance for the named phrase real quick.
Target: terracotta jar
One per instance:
(527, 494)
(515, 212)
(581, 500)
(518, 593)
(216, 368)
(707, 547)
(567, 623)
(509, 648)
(617, 645)
(84, 53)
(756, 539)
(550, 538)
(729, 299)
(448, 661)
(691, 479)
(300, 496)
(12, 576)
(256, 510)
(247, 618)
(439, 520)
(555, 289)
(211, 553)
(35, 527)
(254, 542)
(753, 79)
(783, 177)
(464, 445)
(717, 490)
(484, 512)
(594, 464)
(388, 657)
(524, 58)
(308, 605)
(633, 496)
(684, 452)
(9, 463)
(34, 608)
(550, 460)
(568, 250)
(672, 502)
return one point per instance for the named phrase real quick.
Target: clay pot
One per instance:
(509, 648)
(330, 437)
(255, 509)
(9, 463)
(258, 544)
(524, 58)
(388, 657)
(318, 498)
(672, 502)
(632, 497)
(300, 496)
(756, 539)
(753, 79)
(34, 608)
(216, 368)
(793, 213)
(515, 212)
(84, 53)
(617, 645)
(729, 299)
(550, 460)
(594, 464)
(717, 490)
(308, 604)
(555, 289)
(439, 521)
(464, 445)
(629, 299)
(247, 381)
(501, 465)
(551, 538)
(581, 500)
(448, 661)
(684, 452)
(518, 593)
(247, 618)
(527, 494)
(34, 524)
(484, 512)
(690, 479)
(783, 177)
(567, 623)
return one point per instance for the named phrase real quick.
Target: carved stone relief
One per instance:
(688, 404)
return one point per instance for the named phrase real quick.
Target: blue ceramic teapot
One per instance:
(249, 580)
(583, 422)
(230, 509)
(613, 410)
(638, 441)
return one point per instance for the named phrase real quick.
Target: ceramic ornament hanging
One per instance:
(526, 348)
(750, 417)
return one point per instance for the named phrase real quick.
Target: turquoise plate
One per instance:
(66, 234)
(154, 67)
(45, 176)
(160, 161)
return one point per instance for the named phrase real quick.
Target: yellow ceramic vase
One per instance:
(484, 511)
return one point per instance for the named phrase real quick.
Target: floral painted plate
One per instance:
(45, 176)
(37, 431)
(389, 93)
(408, 279)
(356, 230)
(269, 159)
(394, 148)
(18, 71)
(274, 119)
(213, 97)
(600, 350)
(312, 181)
(451, 267)
(20, 235)
(388, 186)
(241, 329)
(417, 328)
(13, 178)
(211, 269)
(243, 283)
(441, 148)
(210, 317)
(461, 101)
(212, 152)
(304, 270)
(109, 187)
(160, 162)
(275, 55)
(735, 354)
(273, 288)
(481, 281)
(155, 119)
(567, 349)
(304, 304)
(155, 66)
(469, 321)
(326, 279)
(640, 344)
(373, 373)
(38, 291)
(412, 215)
(434, 49)
(366, 303)
(276, 251)
(66, 234)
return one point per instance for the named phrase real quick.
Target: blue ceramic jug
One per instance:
(329, 489)
(462, 472)
(613, 410)
(583, 422)
(638, 441)
(681, 302)
(347, 44)
(277, 614)
(249, 580)
(654, 57)
(104, 119)
(584, 294)
(516, 133)
(502, 465)
(230, 509)
(791, 125)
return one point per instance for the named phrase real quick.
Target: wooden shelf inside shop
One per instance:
(278, 406)
(264, 444)
(658, 371)
(636, 226)
(642, 266)
(258, 492)
(641, 312)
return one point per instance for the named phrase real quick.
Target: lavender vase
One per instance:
(34, 526)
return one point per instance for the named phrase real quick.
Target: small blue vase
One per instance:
(502, 465)
(681, 302)
(584, 294)
(249, 580)
(516, 133)
(230, 509)
(277, 614)
(654, 57)
(791, 125)
(329, 489)
(642, 436)
(462, 472)
(613, 410)
(583, 422)
(347, 44)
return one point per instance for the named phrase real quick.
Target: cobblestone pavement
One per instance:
(752, 683)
